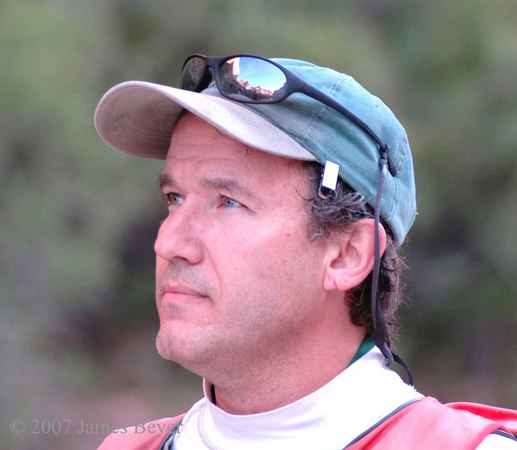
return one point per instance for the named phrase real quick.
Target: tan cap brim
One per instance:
(138, 118)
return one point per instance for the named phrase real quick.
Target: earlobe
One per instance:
(352, 255)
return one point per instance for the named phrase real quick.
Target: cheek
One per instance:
(266, 259)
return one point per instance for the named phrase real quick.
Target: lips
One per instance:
(180, 291)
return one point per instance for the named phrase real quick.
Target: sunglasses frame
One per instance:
(294, 84)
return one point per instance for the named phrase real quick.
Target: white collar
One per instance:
(328, 418)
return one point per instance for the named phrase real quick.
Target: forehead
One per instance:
(196, 147)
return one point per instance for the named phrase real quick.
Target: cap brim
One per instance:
(138, 118)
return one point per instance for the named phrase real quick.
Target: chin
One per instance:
(188, 353)
(166, 344)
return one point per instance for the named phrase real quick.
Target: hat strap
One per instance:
(379, 324)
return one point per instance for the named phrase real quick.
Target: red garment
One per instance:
(148, 436)
(429, 425)
(424, 425)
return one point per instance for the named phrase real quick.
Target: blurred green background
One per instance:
(77, 315)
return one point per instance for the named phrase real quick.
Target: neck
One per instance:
(283, 380)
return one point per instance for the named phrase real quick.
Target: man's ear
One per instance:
(352, 255)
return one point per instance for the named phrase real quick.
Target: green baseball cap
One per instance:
(138, 118)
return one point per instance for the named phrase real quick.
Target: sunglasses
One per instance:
(257, 80)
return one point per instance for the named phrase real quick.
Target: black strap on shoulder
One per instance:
(384, 419)
(505, 434)
(169, 438)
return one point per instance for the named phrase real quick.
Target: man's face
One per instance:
(237, 280)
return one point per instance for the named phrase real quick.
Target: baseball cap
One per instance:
(138, 118)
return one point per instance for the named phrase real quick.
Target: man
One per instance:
(289, 189)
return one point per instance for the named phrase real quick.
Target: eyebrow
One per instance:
(223, 183)
(228, 184)
(165, 180)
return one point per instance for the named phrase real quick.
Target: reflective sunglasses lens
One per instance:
(194, 71)
(252, 80)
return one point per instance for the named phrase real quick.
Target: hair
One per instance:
(330, 216)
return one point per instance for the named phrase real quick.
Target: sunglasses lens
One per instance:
(252, 80)
(194, 71)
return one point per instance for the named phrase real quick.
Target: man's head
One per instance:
(238, 278)
(140, 118)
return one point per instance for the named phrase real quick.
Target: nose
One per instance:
(178, 237)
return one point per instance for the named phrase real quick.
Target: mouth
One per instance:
(173, 293)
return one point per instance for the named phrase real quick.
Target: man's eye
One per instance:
(228, 202)
(172, 198)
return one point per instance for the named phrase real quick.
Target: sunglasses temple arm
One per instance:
(316, 94)
(329, 101)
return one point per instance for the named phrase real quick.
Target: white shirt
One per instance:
(359, 397)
